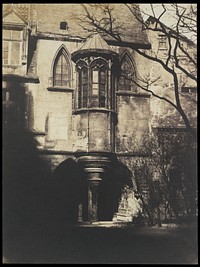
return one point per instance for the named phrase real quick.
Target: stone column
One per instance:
(94, 179)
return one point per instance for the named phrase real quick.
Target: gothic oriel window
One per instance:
(93, 93)
(12, 46)
(127, 74)
(62, 70)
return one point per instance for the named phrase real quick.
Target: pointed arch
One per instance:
(62, 70)
(99, 82)
(82, 81)
(92, 83)
(127, 72)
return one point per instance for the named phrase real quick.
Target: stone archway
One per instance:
(67, 192)
(92, 182)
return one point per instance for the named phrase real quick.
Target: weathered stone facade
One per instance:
(114, 123)
(162, 113)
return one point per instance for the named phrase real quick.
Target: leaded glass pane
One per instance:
(85, 76)
(15, 52)
(6, 34)
(62, 72)
(95, 77)
(58, 82)
(5, 52)
(85, 95)
(79, 89)
(103, 76)
(16, 34)
(127, 74)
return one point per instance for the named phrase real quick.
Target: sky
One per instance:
(168, 18)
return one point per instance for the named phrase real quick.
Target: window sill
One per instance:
(12, 65)
(130, 93)
(82, 110)
(60, 89)
(37, 133)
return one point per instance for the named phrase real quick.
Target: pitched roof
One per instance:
(10, 11)
(12, 17)
(130, 30)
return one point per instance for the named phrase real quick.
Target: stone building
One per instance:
(164, 115)
(70, 89)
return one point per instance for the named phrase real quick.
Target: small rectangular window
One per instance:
(63, 25)
(162, 42)
(187, 89)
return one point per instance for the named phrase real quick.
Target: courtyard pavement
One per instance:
(104, 244)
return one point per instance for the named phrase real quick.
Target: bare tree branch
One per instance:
(109, 25)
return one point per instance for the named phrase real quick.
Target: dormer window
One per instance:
(12, 46)
(63, 25)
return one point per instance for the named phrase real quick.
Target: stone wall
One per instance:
(133, 122)
(52, 109)
(53, 159)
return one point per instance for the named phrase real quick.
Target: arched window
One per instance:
(99, 71)
(127, 74)
(82, 71)
(62, 70)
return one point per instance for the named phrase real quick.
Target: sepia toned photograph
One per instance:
(99, 104)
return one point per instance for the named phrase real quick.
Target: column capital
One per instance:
(93, 174)
(93, 170)
(94, 162)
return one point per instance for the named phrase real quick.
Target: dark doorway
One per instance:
(68, 189)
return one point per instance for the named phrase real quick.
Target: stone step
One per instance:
(108, 224)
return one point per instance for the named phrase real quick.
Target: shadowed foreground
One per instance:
(105, 245)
